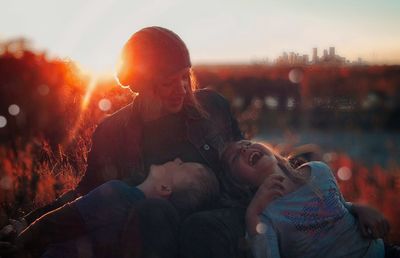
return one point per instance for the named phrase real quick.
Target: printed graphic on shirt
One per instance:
(317, 215)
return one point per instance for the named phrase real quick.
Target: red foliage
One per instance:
(376, 187)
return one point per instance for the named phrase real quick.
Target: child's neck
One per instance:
(148, 188)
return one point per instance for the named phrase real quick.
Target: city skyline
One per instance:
(92, 33)
(329, 56)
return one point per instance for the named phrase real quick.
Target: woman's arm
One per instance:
(372, 223)
(58, 225)
(16, 226)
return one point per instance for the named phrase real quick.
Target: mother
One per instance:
(167, 119)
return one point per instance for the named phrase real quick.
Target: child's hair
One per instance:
(242, 194)
(201, 193)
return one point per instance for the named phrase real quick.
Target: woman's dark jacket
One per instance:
(117, 142)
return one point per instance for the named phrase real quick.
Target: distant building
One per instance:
(315, 55)
(328, 58)
(291, 57)
(325, 56)
(331, 52)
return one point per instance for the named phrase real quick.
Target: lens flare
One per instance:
(290, 103)
(105, 104)
(261, 228)
(14, 110)
(3, 121)
(296, 75)
(271, 102)
(344, 173)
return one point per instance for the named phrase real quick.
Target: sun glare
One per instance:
(85, 103)
(89, 92)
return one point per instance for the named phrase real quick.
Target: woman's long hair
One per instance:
(190, 101)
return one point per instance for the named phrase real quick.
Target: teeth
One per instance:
(253, 157)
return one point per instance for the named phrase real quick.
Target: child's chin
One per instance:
(266, 164)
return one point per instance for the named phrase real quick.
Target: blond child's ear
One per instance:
(165, 191)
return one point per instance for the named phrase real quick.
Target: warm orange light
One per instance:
(89, 92)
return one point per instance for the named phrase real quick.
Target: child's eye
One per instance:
(236, 156)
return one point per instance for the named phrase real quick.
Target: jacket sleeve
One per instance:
(63, 199)
(59, 225)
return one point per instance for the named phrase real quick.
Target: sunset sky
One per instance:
(92, 32)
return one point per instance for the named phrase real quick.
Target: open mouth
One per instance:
(255, 157)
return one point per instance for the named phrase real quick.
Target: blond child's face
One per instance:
(249, 162)
(176, 173)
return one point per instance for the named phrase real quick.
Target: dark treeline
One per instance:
(317, 97)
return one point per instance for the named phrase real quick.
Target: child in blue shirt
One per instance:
(97, 220)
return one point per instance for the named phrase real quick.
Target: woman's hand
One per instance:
(268, 191)
(372, 223)
(7, 248)
(10, 231)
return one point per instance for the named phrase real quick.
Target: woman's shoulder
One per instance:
(116, 120)
(212, 101)
(209, 95)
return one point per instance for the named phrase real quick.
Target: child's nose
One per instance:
(178, 161)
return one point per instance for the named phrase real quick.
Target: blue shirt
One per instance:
(313, 221)
(105, 211)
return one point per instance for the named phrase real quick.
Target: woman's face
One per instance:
(172, 90)
(249, 162)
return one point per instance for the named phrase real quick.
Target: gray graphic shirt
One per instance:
(313, 221)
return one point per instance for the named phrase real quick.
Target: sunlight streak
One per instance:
(84, 105)
(89, 92)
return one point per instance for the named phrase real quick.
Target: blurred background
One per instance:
(314, 78)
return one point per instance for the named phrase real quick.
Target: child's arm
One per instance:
(265, 244)
(268, 191)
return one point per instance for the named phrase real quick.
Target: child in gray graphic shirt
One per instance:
(295, 212)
